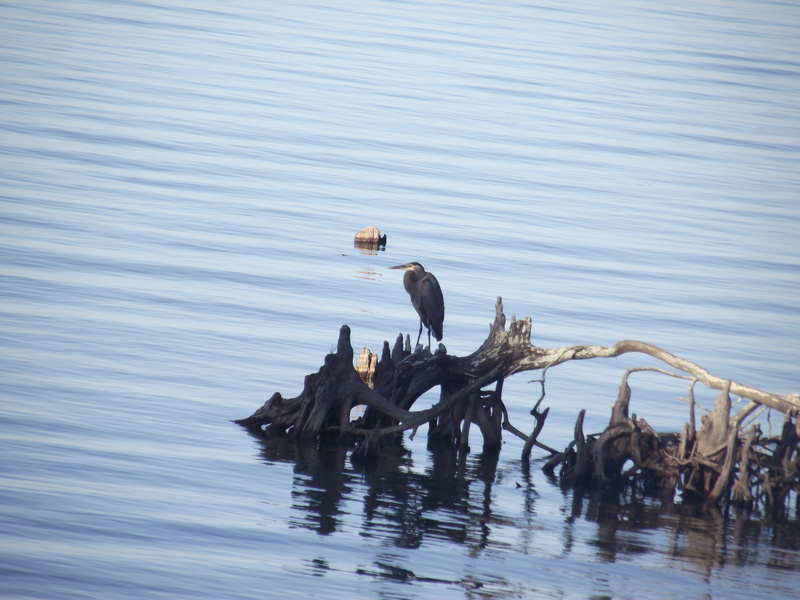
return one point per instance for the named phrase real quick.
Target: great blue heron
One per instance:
(426, 297)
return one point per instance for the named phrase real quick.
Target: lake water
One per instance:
(180, 186)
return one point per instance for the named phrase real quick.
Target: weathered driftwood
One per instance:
(702, 463)
(369, 238)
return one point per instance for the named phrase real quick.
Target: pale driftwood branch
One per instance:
(774, 401)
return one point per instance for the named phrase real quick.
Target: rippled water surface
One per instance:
(180, 184)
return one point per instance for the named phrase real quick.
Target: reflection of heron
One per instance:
(426, 297)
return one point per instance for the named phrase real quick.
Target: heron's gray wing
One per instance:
(432, 303)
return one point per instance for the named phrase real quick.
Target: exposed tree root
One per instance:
(719, 462)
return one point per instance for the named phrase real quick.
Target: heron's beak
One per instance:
(403, 267)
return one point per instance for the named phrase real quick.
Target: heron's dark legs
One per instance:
(419, 335)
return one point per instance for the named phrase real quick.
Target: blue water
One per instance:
(180, 185)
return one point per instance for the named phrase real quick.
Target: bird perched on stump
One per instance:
(426, 297)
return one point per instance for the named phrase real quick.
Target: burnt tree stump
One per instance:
(718, 462)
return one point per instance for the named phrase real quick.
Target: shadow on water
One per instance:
(453, 501)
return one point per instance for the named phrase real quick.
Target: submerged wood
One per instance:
(707, 464)
(369, 238)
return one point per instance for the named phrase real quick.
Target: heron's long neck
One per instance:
(409, 279)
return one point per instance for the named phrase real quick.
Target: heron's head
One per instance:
(412, 266)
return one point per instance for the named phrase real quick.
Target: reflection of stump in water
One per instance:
(707, 464)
